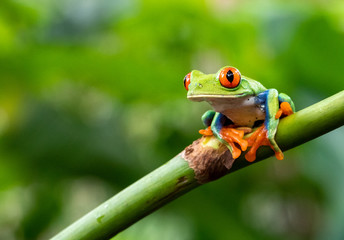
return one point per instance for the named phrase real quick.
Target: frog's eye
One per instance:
(230, 77)
(187, 81)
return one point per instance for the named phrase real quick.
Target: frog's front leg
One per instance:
(207, 118)
(275, 105)
(287, 106)
(226, 134)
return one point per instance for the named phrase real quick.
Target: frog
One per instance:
(245, 114)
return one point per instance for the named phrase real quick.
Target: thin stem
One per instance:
(175, 178)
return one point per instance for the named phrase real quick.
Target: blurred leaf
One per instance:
(94, 89)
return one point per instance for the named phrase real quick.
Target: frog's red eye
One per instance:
(187, 81)
(230, 77)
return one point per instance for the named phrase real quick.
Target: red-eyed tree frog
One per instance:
(240, 104)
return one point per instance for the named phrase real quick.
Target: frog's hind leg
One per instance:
(217, 125)
(265, 135)
(262, 137)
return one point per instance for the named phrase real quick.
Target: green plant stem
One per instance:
(176, 177)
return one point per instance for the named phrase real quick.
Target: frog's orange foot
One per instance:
(235, 136)
(285, 109)
(257, 139)
(206, 132)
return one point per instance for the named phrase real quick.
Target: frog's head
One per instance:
(226, 83)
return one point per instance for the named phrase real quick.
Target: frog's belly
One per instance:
(243, 111)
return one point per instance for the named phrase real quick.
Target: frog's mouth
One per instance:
(206, 97)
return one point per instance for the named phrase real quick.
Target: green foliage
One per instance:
(92, 98)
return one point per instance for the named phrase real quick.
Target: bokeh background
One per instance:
(92, 99)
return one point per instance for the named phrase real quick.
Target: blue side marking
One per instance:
(261, 98)
(220, 121)
(262, 101)
(217, 124)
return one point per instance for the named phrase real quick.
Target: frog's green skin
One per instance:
(244, 105)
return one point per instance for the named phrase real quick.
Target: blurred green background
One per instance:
(92, 99)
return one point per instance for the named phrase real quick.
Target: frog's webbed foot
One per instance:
(232, 136)
(235, 136)
(257, 139)
(285, 109)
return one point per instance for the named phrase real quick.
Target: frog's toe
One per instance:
(279, 155)
(285, 109)
(206, 132)
(236, 152)
(257, 139)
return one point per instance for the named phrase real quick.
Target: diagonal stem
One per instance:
(183, 173)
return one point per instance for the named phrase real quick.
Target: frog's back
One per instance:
(256, 86)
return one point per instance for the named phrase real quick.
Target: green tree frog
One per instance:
(240, 105)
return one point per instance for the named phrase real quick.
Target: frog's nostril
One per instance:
(200, 85)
